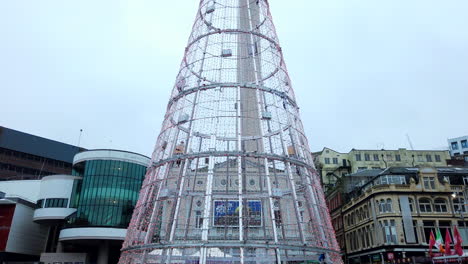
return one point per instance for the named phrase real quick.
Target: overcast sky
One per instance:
(365, 72)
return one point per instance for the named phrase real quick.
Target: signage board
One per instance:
(226, 213)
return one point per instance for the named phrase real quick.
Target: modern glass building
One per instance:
(89, 211)
(107, 193)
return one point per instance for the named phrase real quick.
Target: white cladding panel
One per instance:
(111, 155)
(27, 189)
(57, 186)
(52, 213)
(26, 237)
(93, 233)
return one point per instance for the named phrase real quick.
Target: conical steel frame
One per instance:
(232, 178)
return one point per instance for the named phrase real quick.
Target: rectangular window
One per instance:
(358, 157)
(463, 230)
(454, 145)
(367, 157)
(278, 219)
(386, 231)
(465, 180)
(376, 157)
(397, 157)
(437, 158)
(56, 203)
(393, 231)
(464, 143)
(428, 227)
(389, 157)
(335, 160)
(429, 182)
(420, 158)
(198, 219)
(415, 230)
(327, 160)
(428, 158)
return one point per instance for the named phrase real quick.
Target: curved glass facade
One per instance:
(107, 194)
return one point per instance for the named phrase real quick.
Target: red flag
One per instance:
(458, 242)
(448, 241)
(431, 242)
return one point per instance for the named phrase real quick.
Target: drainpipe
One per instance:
(386, 165)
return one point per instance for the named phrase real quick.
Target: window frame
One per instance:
(440, 207)
(397, 157)
(367, 157)
(426, 205)
(429, 183)
(358, 157)
(464, 143)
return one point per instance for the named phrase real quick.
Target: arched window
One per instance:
(388, 207)
(440, 205)
(382, 206)
(366, 212)
(425, 205)
(459, 205)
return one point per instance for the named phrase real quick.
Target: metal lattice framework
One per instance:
(232, 179)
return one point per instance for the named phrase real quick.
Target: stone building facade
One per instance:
(332, 164)
(392, 215)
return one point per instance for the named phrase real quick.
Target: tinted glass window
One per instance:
(107, 193)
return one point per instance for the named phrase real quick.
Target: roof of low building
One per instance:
(366, 173)
(38, 146)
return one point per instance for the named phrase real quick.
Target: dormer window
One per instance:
(429, 183)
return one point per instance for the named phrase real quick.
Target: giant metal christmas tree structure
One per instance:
(232, 179)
